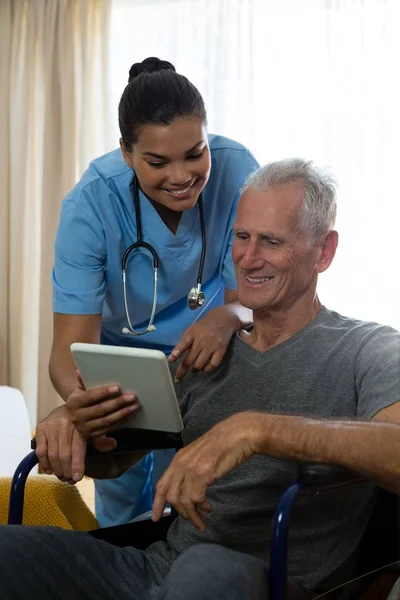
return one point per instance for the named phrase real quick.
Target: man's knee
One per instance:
(208, 558)
(210, 571)
(17, 542)
(15, 539)
(17, 546)
(12, 539)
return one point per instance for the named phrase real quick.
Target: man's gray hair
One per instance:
(318, 213)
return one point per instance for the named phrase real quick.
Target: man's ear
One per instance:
(327, 250)
(127, 155)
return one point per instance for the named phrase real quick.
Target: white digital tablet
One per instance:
(144, 372)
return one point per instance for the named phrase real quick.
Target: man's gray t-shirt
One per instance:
(335, 367)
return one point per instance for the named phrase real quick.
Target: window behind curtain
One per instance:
(310, 78)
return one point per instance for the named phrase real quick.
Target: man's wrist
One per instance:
(260, 432)
(253, 430)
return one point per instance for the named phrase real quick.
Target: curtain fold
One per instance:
(53, 117)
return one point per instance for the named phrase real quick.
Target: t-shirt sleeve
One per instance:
(78, 274)
(184, 387)
(377, 371)
(243, 169)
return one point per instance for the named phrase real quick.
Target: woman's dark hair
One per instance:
(156, 94)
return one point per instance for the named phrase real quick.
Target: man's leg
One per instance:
(211, 572)
(43, 563)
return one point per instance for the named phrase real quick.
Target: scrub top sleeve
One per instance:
(80, 252)
(246, 167)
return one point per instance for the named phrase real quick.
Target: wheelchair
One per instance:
(377, 561)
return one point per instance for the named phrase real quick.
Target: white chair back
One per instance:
(15, 430)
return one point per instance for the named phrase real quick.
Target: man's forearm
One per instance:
(368, 448)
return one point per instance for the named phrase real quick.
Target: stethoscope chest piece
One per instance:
(196, 297)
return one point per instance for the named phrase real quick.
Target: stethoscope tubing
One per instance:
(195, 297)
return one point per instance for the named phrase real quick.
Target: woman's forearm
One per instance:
(69, 329)
(243, 316)
(62, 371)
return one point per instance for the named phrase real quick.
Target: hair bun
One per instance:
(149, 65)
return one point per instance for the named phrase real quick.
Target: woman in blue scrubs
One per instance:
(165, 146)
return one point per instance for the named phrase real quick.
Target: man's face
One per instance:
(275, 265)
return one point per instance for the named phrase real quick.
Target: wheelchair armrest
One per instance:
(136, 440)
(324, 475)
(128, 440)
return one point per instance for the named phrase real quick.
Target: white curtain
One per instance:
(53, 120)
(310, 78)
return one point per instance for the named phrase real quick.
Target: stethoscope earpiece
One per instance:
(133, 332)
(196, 297)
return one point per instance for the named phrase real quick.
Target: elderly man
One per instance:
(303, 383)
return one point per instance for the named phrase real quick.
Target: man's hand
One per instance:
(60, 448)
(198, 465)
(61, 438)
(205, 342)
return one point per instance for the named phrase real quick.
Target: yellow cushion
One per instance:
(49, 501)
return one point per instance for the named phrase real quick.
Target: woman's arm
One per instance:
(207, 340)
(232, 305)
(66, 330)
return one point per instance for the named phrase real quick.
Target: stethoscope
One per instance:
(196, 297)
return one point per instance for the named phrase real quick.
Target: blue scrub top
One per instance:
(98, 224)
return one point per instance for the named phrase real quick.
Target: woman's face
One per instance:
(172, 162)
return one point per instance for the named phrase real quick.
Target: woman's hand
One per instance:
(96, 412)
(206, 341)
